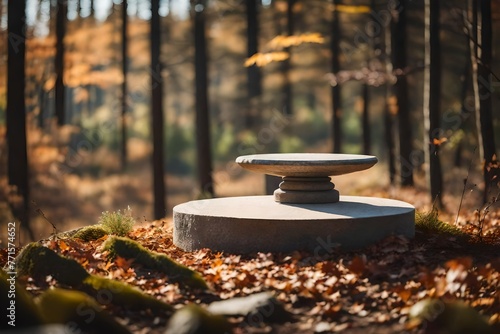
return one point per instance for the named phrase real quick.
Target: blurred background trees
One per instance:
(147, 103)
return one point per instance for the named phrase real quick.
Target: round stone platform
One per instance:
(260, 224)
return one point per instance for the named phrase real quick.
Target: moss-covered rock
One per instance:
(127, 248)
(450, 317)
(20, 309)
(38, 261)
(193, 319)
(89, 233)
(78, 311)
(107, 291)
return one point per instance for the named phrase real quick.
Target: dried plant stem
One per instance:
(464, 188)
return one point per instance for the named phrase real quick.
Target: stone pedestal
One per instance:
(306, 212)
(260, 224)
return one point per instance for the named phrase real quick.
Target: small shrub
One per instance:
(117, 223)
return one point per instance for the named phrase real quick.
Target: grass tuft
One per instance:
(117, 223)
(429, 223)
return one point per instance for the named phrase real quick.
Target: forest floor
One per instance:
(370, 290)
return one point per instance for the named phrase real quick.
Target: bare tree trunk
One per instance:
(485, 92)
(366, 120)
(61, 17)
(202, 112)
(16, 109)
(401, 92)
(157, 113)
(465, 88)
(473, 49)
(287, 90)
(124, 85)
(432, 98)
(336, 102)
(253, 72)
(388, 116)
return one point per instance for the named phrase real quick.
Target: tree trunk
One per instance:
(253, 72)
(61, 17)
(401, 92)
(366, 119)
(92, 8)
(287, 89)
(432, 99)
(16, 109)
(473, 49)
(124, 85)
(201, 100)
(157, 113)
(336, 102)
(464, 112)
(388, 116)
(485, 92)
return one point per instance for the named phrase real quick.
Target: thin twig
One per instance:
(465, 185)
(40, 212)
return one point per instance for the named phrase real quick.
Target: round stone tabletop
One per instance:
(306, 164)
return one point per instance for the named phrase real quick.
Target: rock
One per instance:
(323, 327)
(454, 317)
(15, 298)
(193, 319)
(44, 329)
(89, 233)
(259, 307)
(77, 311)
(129, 249)
(38, 262)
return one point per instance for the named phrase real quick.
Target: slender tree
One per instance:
(336, 102)
(432, 98)
(61, 17)
(253, 72)
(472, 14)
(388, 115)
(398, 25)
(365, 118)
(124, 85)
(287, 90)
(467, 77)
(203, 141)
(157, 113)
(485, 92)
(16, 108)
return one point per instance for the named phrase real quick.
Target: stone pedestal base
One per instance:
(259, 224)
(306, 190)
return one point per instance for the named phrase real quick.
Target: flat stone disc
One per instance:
(259, 224)
(306, 164)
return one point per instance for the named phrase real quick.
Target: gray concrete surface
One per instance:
(259, 224)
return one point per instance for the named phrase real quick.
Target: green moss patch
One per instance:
(17, 304)
(428, 222)
(89, 233)
(177, 272)
(38, 261)
(78, 311)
